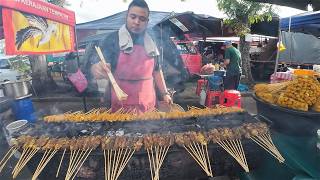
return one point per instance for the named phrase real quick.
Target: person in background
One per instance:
(133, 59)
(232, 61)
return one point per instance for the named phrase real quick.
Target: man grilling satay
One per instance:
(132, 57)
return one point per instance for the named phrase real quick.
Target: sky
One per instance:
(88, 10)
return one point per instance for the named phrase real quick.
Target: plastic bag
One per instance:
(78, 80)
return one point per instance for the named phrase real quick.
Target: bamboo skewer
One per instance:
(266, 143)
(119, 93)
(196, 159)
(73, 175)
(44, 163)
(82, 162)
(105, 164)
(64, 151)
(24, 156)
(6, 158)
(24, 162)
(125, 163)
(236, 154)
(24, 151)
(156, 156)
(150, 165)
(76, 162)
(200, 156)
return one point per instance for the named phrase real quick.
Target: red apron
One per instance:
(134, 76)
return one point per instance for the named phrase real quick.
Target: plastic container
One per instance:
(23, 109)
(16, 125)
(215, 83)
(220, 73)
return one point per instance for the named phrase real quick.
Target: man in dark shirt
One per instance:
(132, 55)
(232, 61)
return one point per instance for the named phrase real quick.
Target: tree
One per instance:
(241, 14)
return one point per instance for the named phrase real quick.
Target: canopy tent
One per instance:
(300, 35)
(308, 23)
(299, 4)
(174, 24)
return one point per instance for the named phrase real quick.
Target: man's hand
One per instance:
(167, 98)
(100, 70)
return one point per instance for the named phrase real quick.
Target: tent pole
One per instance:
(83, 94)
(279, 40)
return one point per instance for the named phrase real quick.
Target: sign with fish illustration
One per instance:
(37, 27)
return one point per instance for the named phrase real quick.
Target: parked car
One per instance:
(7, 73)
(190, 55)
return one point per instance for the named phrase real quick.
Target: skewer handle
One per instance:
(119, 93)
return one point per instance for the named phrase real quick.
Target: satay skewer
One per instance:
(44, 163)
(8, 155)
(27, 159)
(273, 152)
(196, 155)
(24, 156)
(196, 159)
(76, 162)
(130, 154)
(109, 167)
(150, 165)
(105, 164)
(78, 169)
(64, 151)
(202, 157)
(234, 154)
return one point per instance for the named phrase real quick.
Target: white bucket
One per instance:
(316, 68)
(16, 125)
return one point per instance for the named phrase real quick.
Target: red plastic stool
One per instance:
(201, 83)
(233, 98)
(211, 95)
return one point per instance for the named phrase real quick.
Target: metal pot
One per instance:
(17, 89)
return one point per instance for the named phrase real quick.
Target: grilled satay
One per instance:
(105, 142)
(214, 135)
(186, 138)
(138, 143)
(73, 144)
(226, 133)
(95, 141)
(200, 138)
(238, 132)
(147, 141)
(62, 143)
(179, 139)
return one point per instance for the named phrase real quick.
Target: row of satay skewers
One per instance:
(118, 150)
(101, 114)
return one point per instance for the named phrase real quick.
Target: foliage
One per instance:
(241, 14)
(21, 64)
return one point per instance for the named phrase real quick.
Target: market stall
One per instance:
(293, 94)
